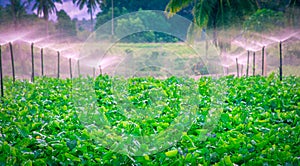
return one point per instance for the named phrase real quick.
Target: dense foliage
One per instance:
(260, 122)
(122, 7)
(64, 24)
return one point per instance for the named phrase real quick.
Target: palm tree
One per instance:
(17, 10)
(204, 11)
(45, 8)
(211, 13)
(91, 6)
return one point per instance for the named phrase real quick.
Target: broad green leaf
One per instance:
(72, 157)
(171, 153)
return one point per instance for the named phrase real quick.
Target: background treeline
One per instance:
(213, 16)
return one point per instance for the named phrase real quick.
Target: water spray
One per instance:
(42, 61)
(58, 62)
(1, 74)
(247, 69)
(253, 64)
(12, 61)
(280, 60)
(70, 65)
(32, 64)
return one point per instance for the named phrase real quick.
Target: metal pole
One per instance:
(42, 61)
(253, 64)
(280, 60)
(70, 64)
(1, 73)
(247, 69)
(237, 67)
(12, 62)
(263, 61)
(58, 62)
(32, 63)
(78, 66)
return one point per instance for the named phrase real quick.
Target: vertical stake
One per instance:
(247, 69)
(242, 67)
(42, 61)
(32, 64)
(227, 70)
(12, 61)
(78, 66)
(70, 65)
(100, 70)
(280, 60)
(253, 64)
(94, 72)
(237, 67)
(1, 73)
(58, 62)
(263, 61)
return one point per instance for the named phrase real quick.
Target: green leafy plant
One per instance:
(259, 124)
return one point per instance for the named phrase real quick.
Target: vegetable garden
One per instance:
(258, 125)
(117, 100)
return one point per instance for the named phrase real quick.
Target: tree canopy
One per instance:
(64, 24)
(44, 7)
(91, 5)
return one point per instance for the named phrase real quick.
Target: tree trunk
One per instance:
(47, 28)
(91, 13)
(206, 46)
(258, 3)
(46, 18)
(215, 35)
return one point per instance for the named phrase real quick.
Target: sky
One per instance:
(67, 6)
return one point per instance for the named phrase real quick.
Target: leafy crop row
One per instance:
(259, 122)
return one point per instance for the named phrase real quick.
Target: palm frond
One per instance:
(175, 6)
(202, 11)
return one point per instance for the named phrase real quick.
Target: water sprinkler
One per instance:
(70, 65)
(263, 61)
(253, 64)
(237, 67)
(32, 63)
(42, 61)
(12, 61)
(247, 69)
(58, 62)
(1, 74)
(280, 60)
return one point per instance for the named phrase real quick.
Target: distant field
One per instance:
(178, 58)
